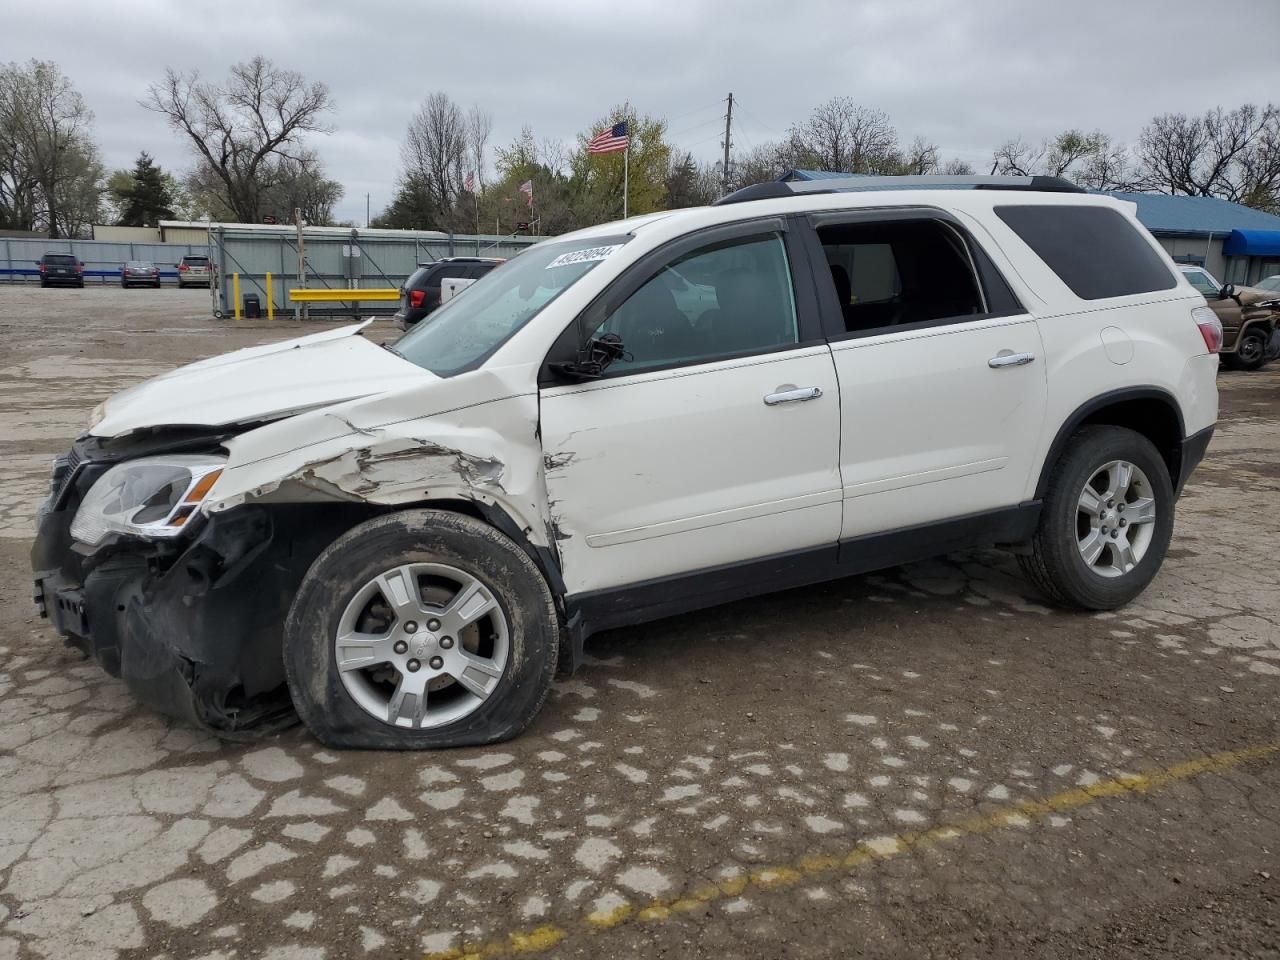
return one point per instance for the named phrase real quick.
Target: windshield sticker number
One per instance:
(583, 256)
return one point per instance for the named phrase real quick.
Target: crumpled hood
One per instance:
(262, 383)
(1248, 296)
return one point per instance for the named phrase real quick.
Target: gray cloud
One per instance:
(966, 75)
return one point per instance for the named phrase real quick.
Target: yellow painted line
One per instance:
(343, 294)
(869, 851)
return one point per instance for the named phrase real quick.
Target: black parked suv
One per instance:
(60, 268)
(421, 292)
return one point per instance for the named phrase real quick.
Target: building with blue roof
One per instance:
(1235, 243)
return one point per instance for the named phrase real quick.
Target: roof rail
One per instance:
(854, 182)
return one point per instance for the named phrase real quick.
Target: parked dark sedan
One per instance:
(140, 273)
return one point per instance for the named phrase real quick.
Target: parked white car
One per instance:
(406, 543)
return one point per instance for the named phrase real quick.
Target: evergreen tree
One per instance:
(146, 196)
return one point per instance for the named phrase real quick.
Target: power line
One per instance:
(696, 126)
(690, 113)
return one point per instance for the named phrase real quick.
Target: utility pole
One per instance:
(366, 211)
(728, 139)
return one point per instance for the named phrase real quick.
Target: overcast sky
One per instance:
(966, 74)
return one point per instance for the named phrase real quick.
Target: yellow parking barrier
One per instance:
(271, 301)
(235, 293)
(342, 294)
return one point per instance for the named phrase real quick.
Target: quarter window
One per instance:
(1095, 251)
(718, 301)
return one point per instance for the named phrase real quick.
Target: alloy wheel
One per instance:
(1115, 518)
(422, 645)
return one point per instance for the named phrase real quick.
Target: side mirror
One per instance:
(1228, 291)
(593, 360)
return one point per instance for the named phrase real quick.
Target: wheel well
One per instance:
(1152, 414)
(336, 519)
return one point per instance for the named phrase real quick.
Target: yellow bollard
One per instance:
(271, 301)
(235, 293)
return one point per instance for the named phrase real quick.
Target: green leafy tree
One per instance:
(599, 177)
(144, 195)
(46, 150)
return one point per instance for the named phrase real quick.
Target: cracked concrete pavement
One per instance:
(874, 766)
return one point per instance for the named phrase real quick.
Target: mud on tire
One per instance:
(420, 539)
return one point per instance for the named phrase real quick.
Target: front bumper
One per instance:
(193, 627)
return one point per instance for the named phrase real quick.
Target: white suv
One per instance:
(798, 383)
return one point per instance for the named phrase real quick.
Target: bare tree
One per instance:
(479, 129)
(240, 129)
(1018, 158)
(1089, 159)
(435, 149)
(955, 167)
(1232, 154)
(766, 162)
(45, 147)
(921, 158)
(843, 136)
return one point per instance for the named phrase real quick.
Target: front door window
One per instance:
(727, 299)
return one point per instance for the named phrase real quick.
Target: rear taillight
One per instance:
(79, 268)
(42, 268)
(183, 268)
(416, 297)
(1210, 328)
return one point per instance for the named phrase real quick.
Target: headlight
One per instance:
(152, 497)
(99, 412)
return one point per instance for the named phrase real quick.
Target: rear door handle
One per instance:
(1010, 360)
(791, 396)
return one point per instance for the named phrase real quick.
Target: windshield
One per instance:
(469, 328)
(1271, 283)
(1201, 280)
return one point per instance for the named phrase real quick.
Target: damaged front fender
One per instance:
(479, 443)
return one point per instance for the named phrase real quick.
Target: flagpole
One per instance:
(626, 175)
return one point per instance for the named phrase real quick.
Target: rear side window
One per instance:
(1095, 251)
(899, 273)
(448, 272)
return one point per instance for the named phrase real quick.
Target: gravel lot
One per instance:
(924, 762)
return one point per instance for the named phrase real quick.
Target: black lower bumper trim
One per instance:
(1194, 448)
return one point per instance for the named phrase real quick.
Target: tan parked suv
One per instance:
(1249, 316)
(195, 271)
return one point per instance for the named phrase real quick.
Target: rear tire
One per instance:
(358, 707)
(1251, 351)
(1062, 562)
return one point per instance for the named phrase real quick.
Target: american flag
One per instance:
(607, 141)
(470, 184)
(527, 187)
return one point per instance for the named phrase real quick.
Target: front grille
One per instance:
(64, 471)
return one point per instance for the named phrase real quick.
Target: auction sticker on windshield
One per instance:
(584, 256)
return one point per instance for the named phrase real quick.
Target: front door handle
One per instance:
(792, 395)
(1010, 360)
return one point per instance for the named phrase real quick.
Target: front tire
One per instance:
(417, 630)
(1251, 351)
(1106, 521)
